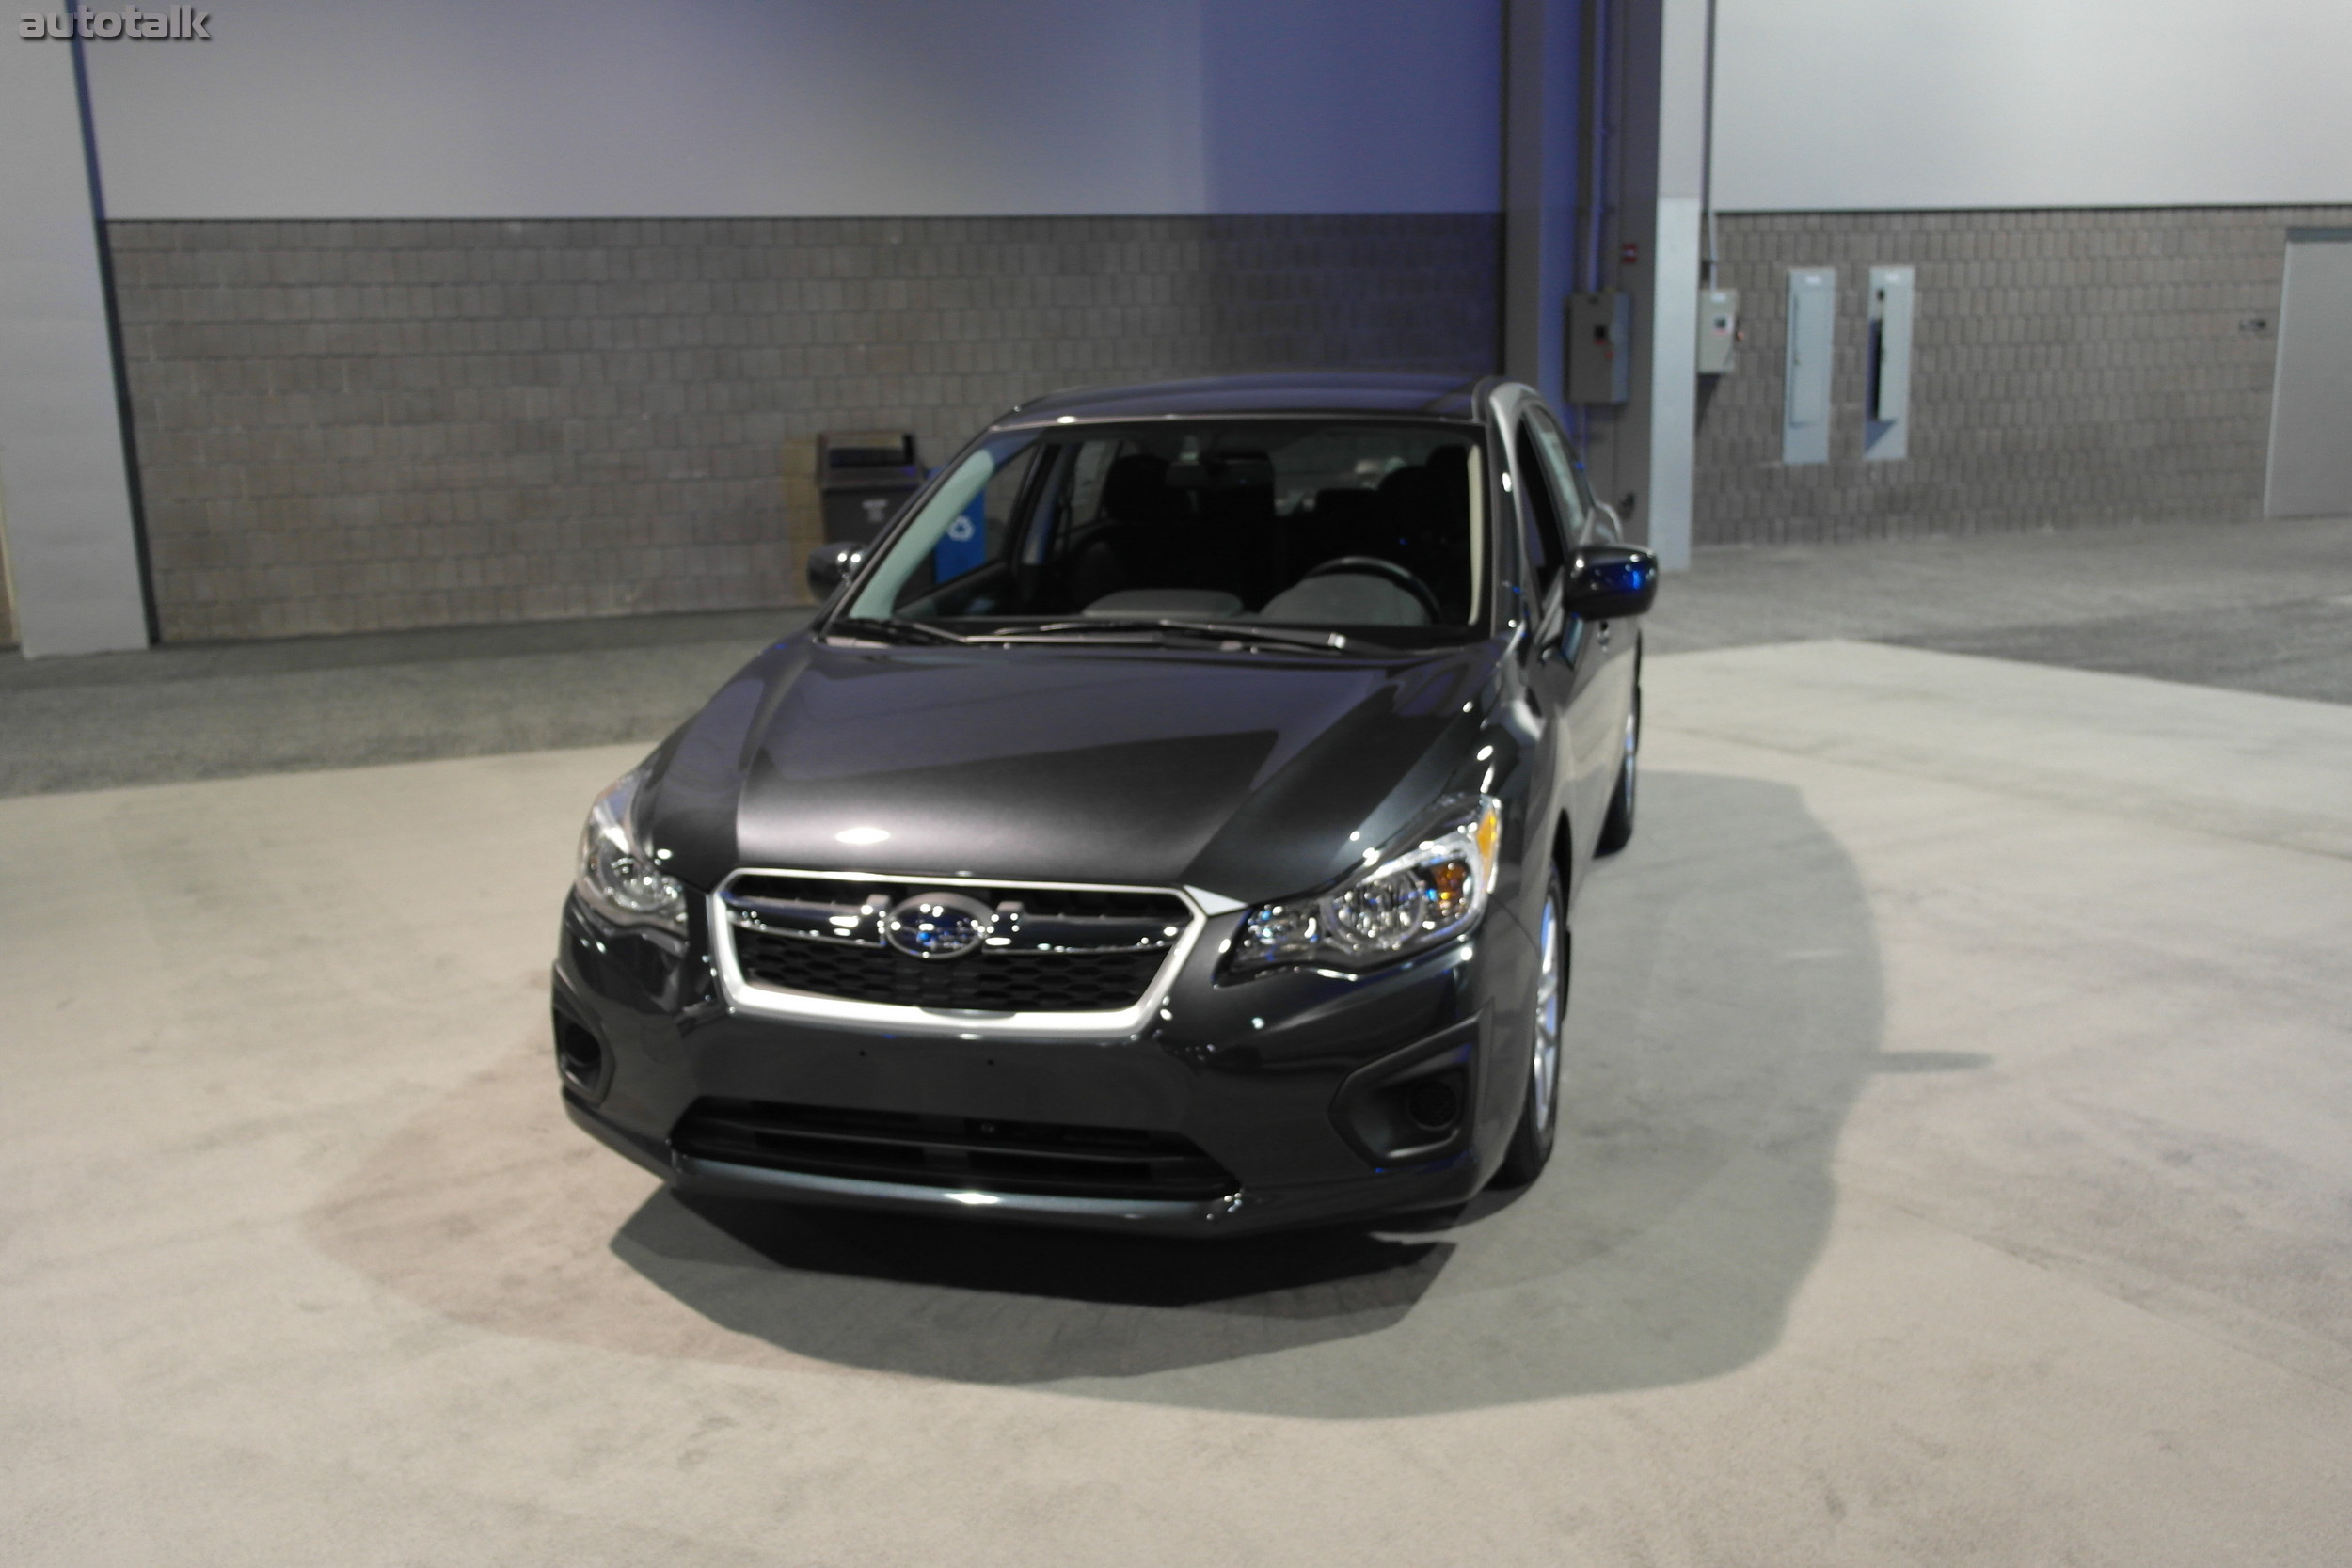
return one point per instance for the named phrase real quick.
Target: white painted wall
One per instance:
(64, 488)
(1826, 105)
(628, 108)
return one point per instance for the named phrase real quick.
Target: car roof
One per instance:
(1290, 392)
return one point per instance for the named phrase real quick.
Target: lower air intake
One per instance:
(974, 1153)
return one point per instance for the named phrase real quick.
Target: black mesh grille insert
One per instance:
(1082, 902)
(989, 980)
(975, 1153)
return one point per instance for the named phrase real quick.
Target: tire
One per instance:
(1616, 828)
(1538, 1126)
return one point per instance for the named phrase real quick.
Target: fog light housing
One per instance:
(1412, 1107)
(582, 1060)
(1433, 1103)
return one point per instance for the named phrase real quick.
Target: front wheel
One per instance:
(1539, 1116)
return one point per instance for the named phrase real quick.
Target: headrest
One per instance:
(1135, 489)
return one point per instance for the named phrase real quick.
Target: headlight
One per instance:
(1391, 907)
(618, 877)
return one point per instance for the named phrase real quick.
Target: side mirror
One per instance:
(830, 563)
(1612, 581)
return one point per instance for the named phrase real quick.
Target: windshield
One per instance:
(1340, 524)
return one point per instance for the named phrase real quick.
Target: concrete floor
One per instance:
(234, 709)
(1958, 1174)
(2142, 590)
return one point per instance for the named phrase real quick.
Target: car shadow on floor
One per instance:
(862, 1289)
(1728, 1006)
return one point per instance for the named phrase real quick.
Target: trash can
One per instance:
(863, 478)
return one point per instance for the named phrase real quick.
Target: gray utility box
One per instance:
(863, 479)
(1719, 331)
(1805, 408)
(1600, 346)
(1887, 430)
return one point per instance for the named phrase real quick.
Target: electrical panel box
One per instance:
(1600, 347)
(1886, 428)
(1719, 331)
(1812, 341)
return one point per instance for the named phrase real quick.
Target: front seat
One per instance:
(1140, 537)
(1423, 522)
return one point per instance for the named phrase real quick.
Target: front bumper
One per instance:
(1290, 1084)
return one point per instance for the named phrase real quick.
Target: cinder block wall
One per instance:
(347, 426)
(2070, 367)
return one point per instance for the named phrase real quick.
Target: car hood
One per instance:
(1241, 774)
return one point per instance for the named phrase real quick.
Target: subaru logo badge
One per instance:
(938, 925)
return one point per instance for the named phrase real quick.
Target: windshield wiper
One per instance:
(904, 633)
(1122, 629)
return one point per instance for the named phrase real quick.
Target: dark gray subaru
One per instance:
(1171, 824)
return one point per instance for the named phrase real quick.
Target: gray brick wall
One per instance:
(2070, 367)
(347, 426)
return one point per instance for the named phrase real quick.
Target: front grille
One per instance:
(991, 980)
(1075, 903)
(966, 1152)
(1046, 950)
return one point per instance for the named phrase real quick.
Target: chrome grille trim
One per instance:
(766, 1001)
(855, 917)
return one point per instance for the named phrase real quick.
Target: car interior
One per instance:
(1334, 524)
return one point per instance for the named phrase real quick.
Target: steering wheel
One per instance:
(1388, 571)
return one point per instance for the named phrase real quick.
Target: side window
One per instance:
(1546, 545)
(1042, 530)
(1560, 468)
(1602, 521)
(998, 500)
(1086, 485)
